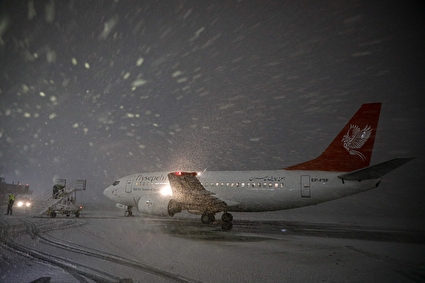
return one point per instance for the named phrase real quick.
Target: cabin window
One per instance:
(243, 185)
(237, 184)
(276, 185)
(232, 184)
(270, 185)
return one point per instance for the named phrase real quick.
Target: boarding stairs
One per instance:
(47, 200)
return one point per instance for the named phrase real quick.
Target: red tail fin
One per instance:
(352, 147)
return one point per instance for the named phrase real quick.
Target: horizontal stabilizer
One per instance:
(375, 171)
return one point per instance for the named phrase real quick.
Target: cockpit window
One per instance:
(115, 183)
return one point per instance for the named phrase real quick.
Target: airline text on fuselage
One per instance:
(157, 178)
(268, 178)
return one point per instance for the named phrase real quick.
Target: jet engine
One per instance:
(158, 205)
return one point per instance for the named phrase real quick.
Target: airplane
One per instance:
(343, 169)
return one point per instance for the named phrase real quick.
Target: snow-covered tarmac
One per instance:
(104, 246)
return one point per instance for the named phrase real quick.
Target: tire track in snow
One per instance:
(36, 231)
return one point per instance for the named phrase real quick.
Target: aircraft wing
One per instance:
(375, 171)
(189, 192)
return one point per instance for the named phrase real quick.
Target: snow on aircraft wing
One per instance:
(375, 171)
(188, 191)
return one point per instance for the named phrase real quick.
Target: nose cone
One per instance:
(108, 192)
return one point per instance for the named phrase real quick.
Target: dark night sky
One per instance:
(102, 89)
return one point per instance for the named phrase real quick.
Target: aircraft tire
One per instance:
(52, 214)
(207, 218)
(204, 218)
(227, 217)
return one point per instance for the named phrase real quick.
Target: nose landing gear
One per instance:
(128, 212)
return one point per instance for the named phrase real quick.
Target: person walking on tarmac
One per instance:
(10, 204)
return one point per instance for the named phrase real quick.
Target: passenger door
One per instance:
(305, 186)
(128, 185)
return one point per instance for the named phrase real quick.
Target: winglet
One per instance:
(352, 147)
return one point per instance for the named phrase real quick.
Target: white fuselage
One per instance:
(246, 191)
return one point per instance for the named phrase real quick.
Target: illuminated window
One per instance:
(237, 184)
(243, 184)
(276, 185)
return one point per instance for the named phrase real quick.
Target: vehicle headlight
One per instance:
(28, 204)
(20, 203)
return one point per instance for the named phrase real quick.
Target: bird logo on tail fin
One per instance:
(355, 139)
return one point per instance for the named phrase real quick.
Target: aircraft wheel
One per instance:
(227, 217)
(226, 226)
(207, 218)
(127, 213)
(52, 214)
(204, 218)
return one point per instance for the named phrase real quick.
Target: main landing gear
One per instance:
(129, 211)
(227, 219)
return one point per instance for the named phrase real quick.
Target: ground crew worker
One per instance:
(10, 204)
(55, 191)
(58, 191)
